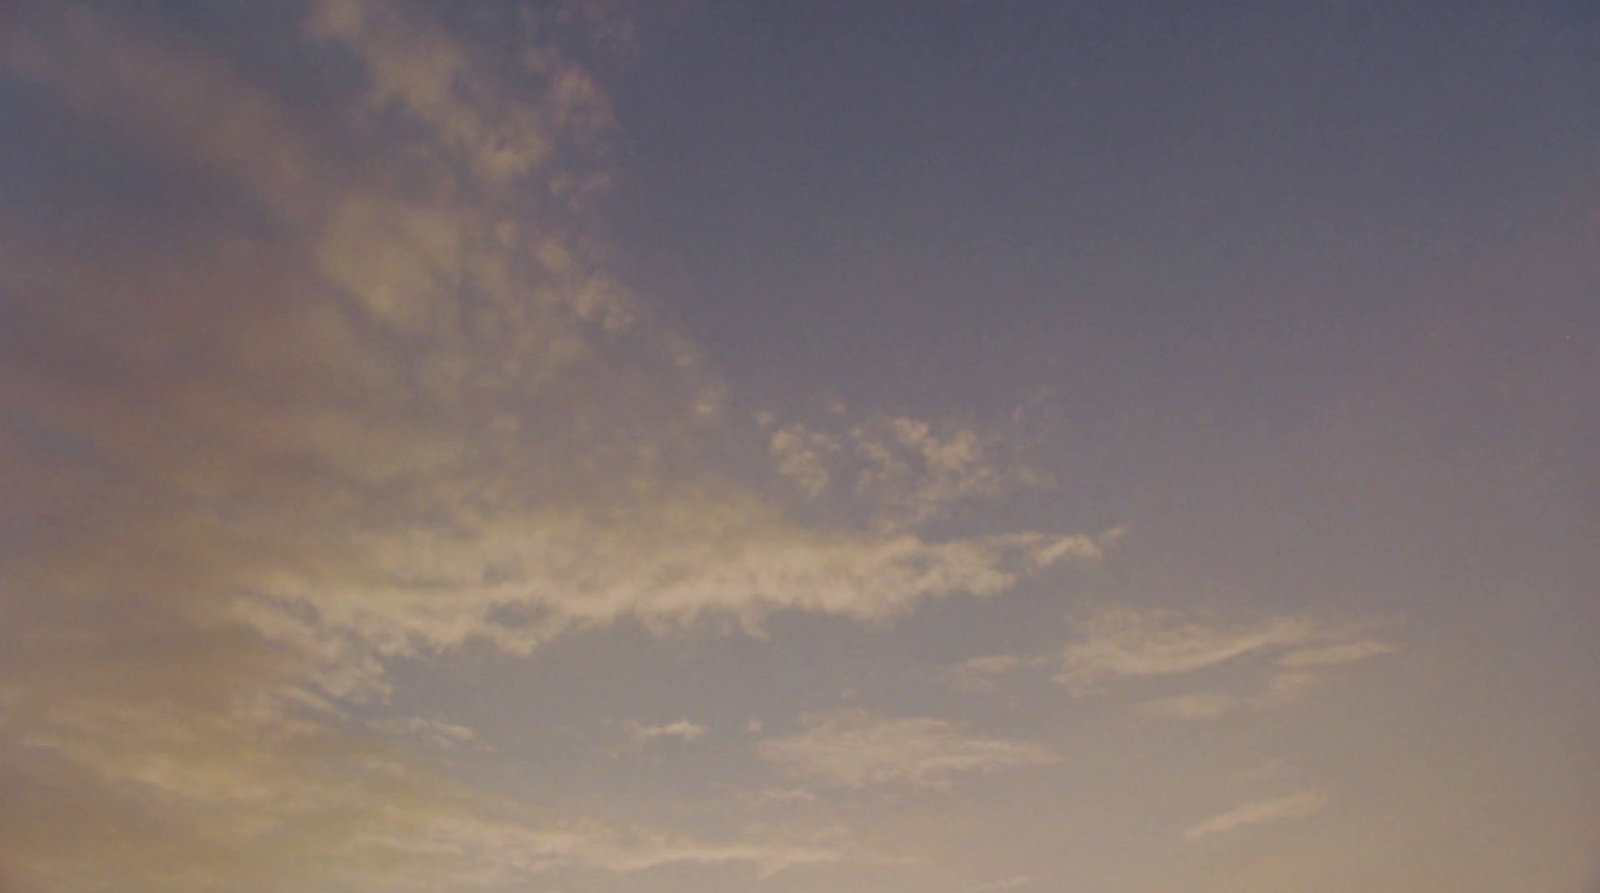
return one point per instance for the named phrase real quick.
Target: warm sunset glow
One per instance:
(803, 447)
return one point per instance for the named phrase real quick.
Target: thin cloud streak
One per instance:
(1295, 806)
(683, 730)
(1011, 883)
(1124, 643)
(856, 749)
(1336, 654)
(1121, 642)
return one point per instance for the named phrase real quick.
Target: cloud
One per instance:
(396, 404)
(1280, 690)
(801, 456)
(786, 795)
(909, 470)
(350, 394)
(1336, 654)
(855, 748)
(182, 102)
(1119, 642)
(683, 730)
(1289, 688)
(982, 674)
(1011, 883)
(496, 132)
(440, 734)
(1125, 643)
(927, 467)
(1115, 643)
(282, 793)
(1203, 705)
(502, 850)
(531, 575)
(1295, 806)
(993, 664)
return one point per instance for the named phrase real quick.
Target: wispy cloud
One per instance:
(1202, 705)
(1336, 654)
(497, 132)
(1295, 806)
(855, 748)
(537, 573)
(399, 404)
(803, 455)
(786, 795)
(983, 674)
(1010, 883)
(681, 730)
(441, 734)
(910, 470)
(1281, 689)
(1125, 643)
(1119, 642)
(182, 102)
(498, 850)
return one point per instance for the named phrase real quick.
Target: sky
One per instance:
(687, 445)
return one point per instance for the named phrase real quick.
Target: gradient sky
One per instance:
(937, 447)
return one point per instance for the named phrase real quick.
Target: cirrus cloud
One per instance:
(856, 748)
(1294, 806)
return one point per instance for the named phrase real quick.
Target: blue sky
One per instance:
(947, 447)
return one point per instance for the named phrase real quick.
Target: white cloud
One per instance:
(935, 465)
(441, 734)
(1280, 690)
(1289, 688)
(1295, 806)
(500, 850)
(786, 795)
(1194, 706)
(855, 748)
(185, 102)
(409, 410)
(1124, 643)
(982, 674)
(285, 406)
(683, 730)
(257, 777)
(448, 429)
(908, 470)
(802, 455)
(993, 664)
(1120, 642)
(522, 579)
(495, 131)
(1011, 883)
(1336, 654)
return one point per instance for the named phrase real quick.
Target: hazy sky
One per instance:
(936, 447)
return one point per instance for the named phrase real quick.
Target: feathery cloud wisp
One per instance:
(1295, 806)
(1115, 643)
(855, 748)
(1126, 642)
(682, 730)
(1336, 654)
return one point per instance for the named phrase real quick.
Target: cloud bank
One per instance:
(366, 388)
